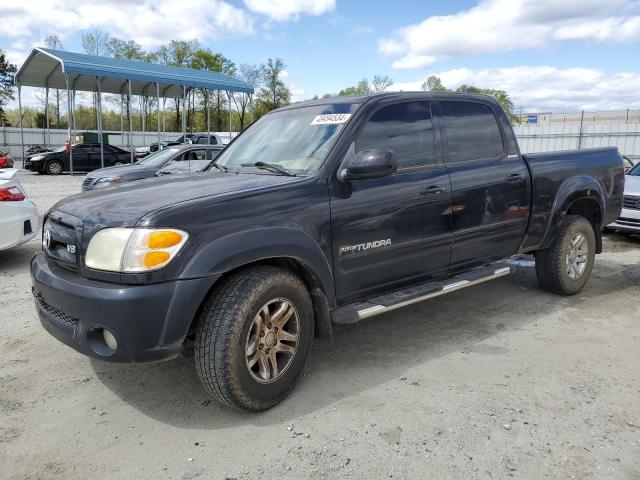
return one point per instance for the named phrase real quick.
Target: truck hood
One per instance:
(632, 185)
(124, 205)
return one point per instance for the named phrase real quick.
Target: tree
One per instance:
(178, 53)
(205, 59)
(95, 43)
(128, 50)
(381, 82)
(52, 41)
(274, 92)
(501, 96)
(362, 88)
(7, 72)
(434, 84)
(252, 75)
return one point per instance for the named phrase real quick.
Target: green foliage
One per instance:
(7, 72)
(433, 84)
(362, 88)
(274, 93)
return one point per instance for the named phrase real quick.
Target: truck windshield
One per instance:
(296, 140)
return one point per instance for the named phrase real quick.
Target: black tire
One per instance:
(223, 334)
(54, 167)
(551, 263)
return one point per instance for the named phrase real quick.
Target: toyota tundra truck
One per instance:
(323, 212)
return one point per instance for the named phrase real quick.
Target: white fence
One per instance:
(532, 138)
(540, 138)
(10, 138)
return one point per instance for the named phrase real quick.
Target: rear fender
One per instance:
(570, 191)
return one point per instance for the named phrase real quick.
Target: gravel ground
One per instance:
(500, 380)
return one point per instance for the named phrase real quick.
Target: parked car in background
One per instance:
(628, 163)
(185, 158)
(178, 141)
(195, 163)
(629, 220)
(18, 214)
(5, 160)
(86, 157)
(141, 152)
(194, 138)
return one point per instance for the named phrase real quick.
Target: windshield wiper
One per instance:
(272, 167)
(222, 168)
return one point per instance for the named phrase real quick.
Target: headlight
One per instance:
(37, 158)
(116, 179)
(130, 250)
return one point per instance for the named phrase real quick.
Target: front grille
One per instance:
(61, 246)
(57, 314)
(631, 201)
(87, 181)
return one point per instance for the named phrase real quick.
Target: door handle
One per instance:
(431, 189)
(515, 178)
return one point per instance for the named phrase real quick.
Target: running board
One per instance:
(401, 298)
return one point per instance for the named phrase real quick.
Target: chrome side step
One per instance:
(386, 303)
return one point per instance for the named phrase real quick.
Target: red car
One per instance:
(5, 160)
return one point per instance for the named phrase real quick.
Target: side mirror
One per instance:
(374, 163)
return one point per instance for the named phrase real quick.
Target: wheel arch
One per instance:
(582, 196)
(283, 248)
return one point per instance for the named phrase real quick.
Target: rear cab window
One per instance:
(470, 130)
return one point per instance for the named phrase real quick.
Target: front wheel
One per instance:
(565, 267)
(54, 167)
(253, 338)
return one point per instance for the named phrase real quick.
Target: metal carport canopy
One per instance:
(46, 68)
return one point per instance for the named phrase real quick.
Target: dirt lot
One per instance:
(500, 380)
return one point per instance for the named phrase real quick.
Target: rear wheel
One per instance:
(566, 265)
(54, 167)
(253, 338)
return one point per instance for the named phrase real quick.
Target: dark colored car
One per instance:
(194, 138)
(5, 160)
(86, 157)
(322, 212)
(186, 158)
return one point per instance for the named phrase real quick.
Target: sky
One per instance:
(549, 55)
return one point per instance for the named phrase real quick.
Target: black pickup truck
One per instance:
(323, 212)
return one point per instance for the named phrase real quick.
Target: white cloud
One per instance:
(149, 22)
(282, 10)
(505, 25)
(284, 74)
(543, 88)
(411, 61)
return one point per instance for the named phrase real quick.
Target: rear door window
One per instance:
(471, 131)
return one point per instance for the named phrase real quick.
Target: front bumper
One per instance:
(629, 221)
(149, 322)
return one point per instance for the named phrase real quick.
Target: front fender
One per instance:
(241, 248)
(570, 191)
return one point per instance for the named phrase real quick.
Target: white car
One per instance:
(629, 220)
(18, 215)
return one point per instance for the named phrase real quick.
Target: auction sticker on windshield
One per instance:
(331, 119)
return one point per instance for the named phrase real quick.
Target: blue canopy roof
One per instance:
(45, 67)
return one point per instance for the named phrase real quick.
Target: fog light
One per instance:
(109, 339)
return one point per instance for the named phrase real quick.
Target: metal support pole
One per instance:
(131, 148)
(21, 129)
(208, 116)
(158, 111)
(99, 122)
(250, 109)
(144, 119)
(69, 114)
(229, 97)
(73, 112)
(164, 119)
(121, 118)
(46, 115)
(184, 114)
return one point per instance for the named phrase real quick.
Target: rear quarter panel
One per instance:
(561, 178)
